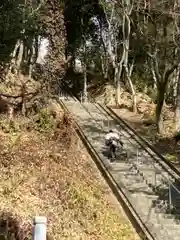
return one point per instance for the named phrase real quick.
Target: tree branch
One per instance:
(155, 65)
(169, 72)
(42, 2)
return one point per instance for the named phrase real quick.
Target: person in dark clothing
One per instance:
(176, 139)
(112, 139)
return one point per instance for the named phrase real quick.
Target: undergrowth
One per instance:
(46, 171)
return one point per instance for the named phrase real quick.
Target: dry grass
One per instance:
(51, 175)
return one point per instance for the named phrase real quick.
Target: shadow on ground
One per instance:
(164, 146)
(167, 149)
(10, 228)
(168, 201)
(162, 203)
(144, 127)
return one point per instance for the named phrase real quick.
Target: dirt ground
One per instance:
(164, 144)
(50, 173)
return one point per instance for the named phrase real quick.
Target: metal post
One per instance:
(170, 197)
(137, 156)
(39, 229)
(108, 124)
(60, 95)
(81, 97)
(102, 123)
(155, 177)
(67, 97)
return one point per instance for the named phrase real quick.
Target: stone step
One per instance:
(136, 178)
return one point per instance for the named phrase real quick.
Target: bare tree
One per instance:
(127, 7)
(177, 111)
(85, 94)
(162, 52)
(118, 16)
(176, 86)
(109, 35)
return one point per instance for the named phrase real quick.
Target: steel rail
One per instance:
(147, 145)
(130, 210)
(132, 214)
(140, 140)
(102, 110)
(143, 142)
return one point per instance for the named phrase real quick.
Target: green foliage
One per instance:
(11, 25)
(44, 121)
(143, 84)
(170, 157)
(9, 126)
(139, 81)
(152, 92)
(17, 21)
(78, 20)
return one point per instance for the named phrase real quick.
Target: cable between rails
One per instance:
(118, 191)
(134, 136)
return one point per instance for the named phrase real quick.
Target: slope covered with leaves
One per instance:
(45, 170)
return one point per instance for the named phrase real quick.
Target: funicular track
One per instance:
(140, 139)
(144, 182)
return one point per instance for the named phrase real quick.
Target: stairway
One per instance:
(143, 180)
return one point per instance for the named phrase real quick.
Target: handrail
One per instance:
(153, 149)
(135, 136)
(168, 181)
(139, 225)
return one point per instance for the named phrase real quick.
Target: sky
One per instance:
(43, 50)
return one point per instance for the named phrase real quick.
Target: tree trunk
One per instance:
(175, 86)
(36, 46)
(177, 111)
(118, 92)
(104, 66)
(117, 84)
(126, 45)
(85, 97)
(132, 88)
(13, 57)
(118, 73)
(20, 55)
(159, 107)
(134, 101)
(32, 60)
(154, 85)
